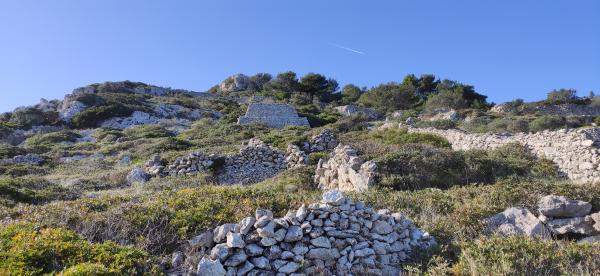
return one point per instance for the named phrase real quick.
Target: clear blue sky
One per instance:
(507, 49)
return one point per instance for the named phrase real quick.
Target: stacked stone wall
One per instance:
(575, 151)
(272, 115)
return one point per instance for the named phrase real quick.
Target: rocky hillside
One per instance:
(288, 175)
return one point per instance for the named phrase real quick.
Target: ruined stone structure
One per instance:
(345, 171)
(334, 237)
(575, 151)
(324, 141)
(256, 162)
(272, 115)
(295, 157)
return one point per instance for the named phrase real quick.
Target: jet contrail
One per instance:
(347, 49)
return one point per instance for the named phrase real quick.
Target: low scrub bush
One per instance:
(438, 124)
(547, 122)
(8, 151)
(527, 256)
(27, 250)
(352, 123)
(147, 131)
(48, 140)
(417, 166)
(401, 136)
(32, 191)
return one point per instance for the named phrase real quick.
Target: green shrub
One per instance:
(28, 117)
(31, 190)
(147, 131)
(91, 117)
(313, 157)
(527, 256)
(25, 250)
(547, 122)
(8, 151)
(352, 123)
(562, 96)
(401, 136)
(18, 170)
(418, 166)
(438, 124)
(444, 100)
(43, 142)
(280, 138)
(171, 144)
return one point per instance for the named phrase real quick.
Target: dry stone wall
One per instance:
(256, 162)
(334, 237)
(324, 141)
(575, 151)
(273, 115)
(345, 171)
(560, 110)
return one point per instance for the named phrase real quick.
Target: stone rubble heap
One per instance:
(256, 162)
(154, 166)
(557, 216)
(192, 163)
(324, 141)
(345, 171)
(575, 151)
(349, 110)
(295, 157)
(333, 237)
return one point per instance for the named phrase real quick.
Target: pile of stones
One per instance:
(324, 141)
(192, 163)
(558, 216)
(256, 162)
(295, 157)
(155, 167)
(333, 237)
(345, 171)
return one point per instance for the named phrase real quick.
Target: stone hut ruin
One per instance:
(272, 115)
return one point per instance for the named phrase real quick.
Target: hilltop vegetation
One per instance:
(68, 205)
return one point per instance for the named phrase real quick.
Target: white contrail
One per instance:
(347, 49)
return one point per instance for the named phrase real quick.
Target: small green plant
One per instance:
(401, 136)
(547, 122)
(27, 250)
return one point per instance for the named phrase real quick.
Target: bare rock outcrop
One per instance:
(345, 171)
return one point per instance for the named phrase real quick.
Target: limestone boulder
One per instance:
(562, 207)
(516, 221)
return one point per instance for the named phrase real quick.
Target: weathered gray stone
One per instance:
(333, 197)
(220, 233)
(208, 267)
(321, 242)
(560, 206)
(203, 240)
(220, 251)
(253, 250)
(289, 268)
(236, 259)
(323, 254)
(235, 240)
(516, 221)
(382, 227)
(246, 224)
(578, 225)
(294, 233)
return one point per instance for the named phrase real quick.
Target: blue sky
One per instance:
(507, 49)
